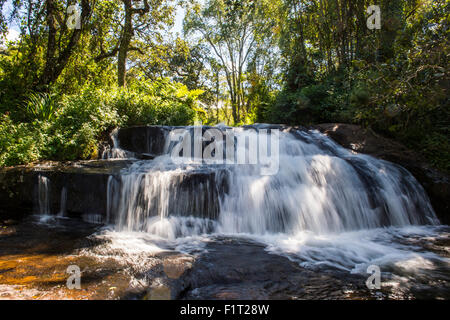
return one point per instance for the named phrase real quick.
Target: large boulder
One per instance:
(143, 139)
(435, 183)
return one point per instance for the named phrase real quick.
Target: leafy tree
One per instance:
(140, 23)
(49, 22)
(232, 29)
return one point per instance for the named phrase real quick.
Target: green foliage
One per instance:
(238, 36)
(78, 121)
(277, 61)
(320, 102)
(159, 102)
(394, 80)
(19, 143)
(40, 106)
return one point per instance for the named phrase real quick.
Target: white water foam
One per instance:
(327, 207)
(390, 248)
(320, 187)
(115, 152)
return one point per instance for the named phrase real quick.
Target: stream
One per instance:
(307, 219)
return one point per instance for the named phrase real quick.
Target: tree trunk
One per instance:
(55, 63)
(125, 44)
(48, 73)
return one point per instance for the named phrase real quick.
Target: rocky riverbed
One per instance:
(35, 255)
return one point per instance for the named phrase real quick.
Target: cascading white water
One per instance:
(156, 197)
(115, 152)
(326, 207)
(43, 195)
(320, 187)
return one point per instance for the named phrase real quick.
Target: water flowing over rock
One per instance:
(199, 226)
(319, 187)
(435, 183)
(43, 195)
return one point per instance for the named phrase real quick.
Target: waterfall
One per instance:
(146, 198)
(115, 152)
(319, 187)
(43, 195)
(323, 188)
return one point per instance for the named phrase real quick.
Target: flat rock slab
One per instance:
(34, 258)
(242, 269)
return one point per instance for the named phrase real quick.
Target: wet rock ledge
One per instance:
(85, 183)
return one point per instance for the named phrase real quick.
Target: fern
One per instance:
(41, 106)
